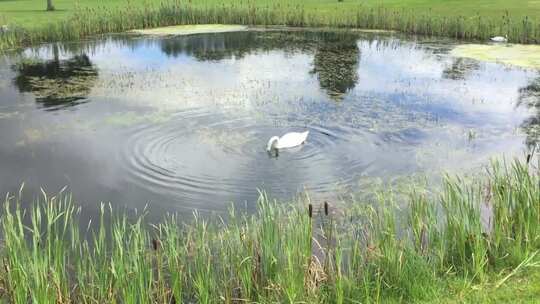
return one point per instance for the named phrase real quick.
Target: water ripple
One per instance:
(200, 154)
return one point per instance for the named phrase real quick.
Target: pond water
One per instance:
(181, 123)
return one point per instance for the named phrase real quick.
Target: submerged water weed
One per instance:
(87, 22)
(381, 250)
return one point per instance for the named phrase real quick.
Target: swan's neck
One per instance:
(272, 143)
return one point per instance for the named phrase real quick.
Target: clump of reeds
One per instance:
(371, 251)
(86, 22)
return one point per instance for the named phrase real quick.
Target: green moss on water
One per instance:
(30, 136)
(131, 118)
(374, 31)
(182, 30)
(526, 56)
(6, 115)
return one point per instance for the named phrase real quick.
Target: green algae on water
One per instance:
(132, 118)
(373, 31)
(182, 30)
(526, 56)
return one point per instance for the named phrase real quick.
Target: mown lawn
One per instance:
(32, 13)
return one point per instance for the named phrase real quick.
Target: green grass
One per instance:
(459, 19)
(31, 13)
(386, 248)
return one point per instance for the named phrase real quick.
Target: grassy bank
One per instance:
(87, 21)
(31, 13)
(430, 248)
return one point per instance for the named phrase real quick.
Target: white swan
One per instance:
(499, 38)
(289, 140)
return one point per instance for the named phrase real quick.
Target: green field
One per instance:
(32, 12)
(30, 24)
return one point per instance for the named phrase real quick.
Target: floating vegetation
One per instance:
(130, 118)
(527, 56)
(474, 233)
(181, 30)
(8, 114)
(33, 135)
(222, 139)
(374, 31)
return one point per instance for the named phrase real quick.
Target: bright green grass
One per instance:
(391, 247)
(88, 18)
(522, 288)
(31, 13)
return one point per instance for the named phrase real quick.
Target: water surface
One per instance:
(181, 123)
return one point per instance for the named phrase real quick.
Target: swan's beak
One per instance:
(273, 153)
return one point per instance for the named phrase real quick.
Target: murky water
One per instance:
(181, 123)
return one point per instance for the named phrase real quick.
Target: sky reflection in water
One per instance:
(182, 122)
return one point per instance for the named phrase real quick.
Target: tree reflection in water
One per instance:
(529, 96)
(56, 83)
(460, 69)
(336, 55)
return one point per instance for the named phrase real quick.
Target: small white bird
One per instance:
(289, 140)
(499, 38)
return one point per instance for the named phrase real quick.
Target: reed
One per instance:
(86, 22)
(386, 249)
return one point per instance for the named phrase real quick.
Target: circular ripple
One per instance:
(200, 157)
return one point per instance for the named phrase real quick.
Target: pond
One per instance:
(181, 123)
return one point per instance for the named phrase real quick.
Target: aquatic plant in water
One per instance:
(527, 56)
(182, 30)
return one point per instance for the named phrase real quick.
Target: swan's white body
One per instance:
(499, 39)
(289, 140)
